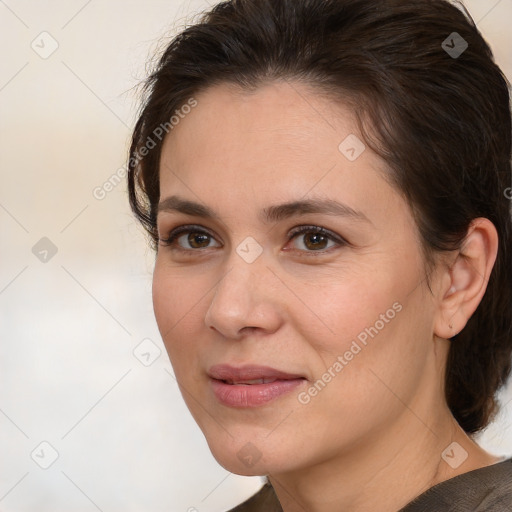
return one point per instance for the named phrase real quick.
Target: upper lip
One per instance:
(249, 372)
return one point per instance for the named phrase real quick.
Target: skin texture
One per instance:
(372, 438)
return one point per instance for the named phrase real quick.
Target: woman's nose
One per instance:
(247, 298)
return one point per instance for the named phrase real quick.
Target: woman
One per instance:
(325, 183)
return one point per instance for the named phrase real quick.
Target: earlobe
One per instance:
(466, 278)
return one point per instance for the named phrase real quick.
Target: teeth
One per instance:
(254, 381)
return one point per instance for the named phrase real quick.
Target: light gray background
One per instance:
(69, 325)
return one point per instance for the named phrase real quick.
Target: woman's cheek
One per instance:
(174, 296)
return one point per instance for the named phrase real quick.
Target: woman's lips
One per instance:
(251, 385)
(252, 395)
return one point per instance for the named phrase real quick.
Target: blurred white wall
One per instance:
(115, 431)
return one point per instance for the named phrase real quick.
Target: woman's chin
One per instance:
(240, 466)
(247, 459)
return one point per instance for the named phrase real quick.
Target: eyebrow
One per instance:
(274, 213)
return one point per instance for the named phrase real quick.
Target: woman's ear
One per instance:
(465, 281)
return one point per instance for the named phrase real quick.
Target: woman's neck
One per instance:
(386, 470)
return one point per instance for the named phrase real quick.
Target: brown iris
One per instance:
(317, 241)
(198, 240)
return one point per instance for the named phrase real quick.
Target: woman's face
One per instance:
(348, 310)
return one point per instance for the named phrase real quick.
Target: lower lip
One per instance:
(252, 395)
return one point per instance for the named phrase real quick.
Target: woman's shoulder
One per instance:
(487, 489)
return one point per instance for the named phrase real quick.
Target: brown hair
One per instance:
(440, 120)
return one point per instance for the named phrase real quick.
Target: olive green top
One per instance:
(487, 489)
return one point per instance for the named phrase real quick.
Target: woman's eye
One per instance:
(188, 239)
(305, 238)
(314, 238)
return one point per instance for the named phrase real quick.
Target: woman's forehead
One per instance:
(274, 128)
(265, 146)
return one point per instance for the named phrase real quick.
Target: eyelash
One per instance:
(170, 241)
